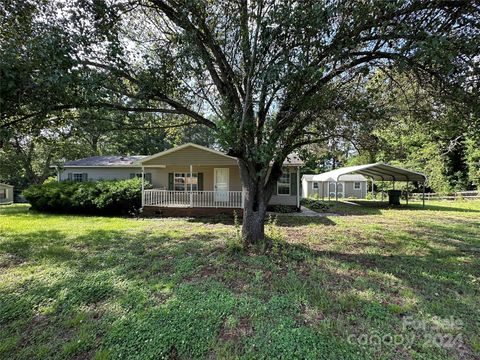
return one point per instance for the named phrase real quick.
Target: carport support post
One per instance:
(383, 191)
(373, 191)
(336, 191)
(407, 194)
(143, 186)
(423, 197)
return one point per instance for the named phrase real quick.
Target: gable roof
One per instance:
(110, 160)
(175, 149)
(6, 185)
(376, 171)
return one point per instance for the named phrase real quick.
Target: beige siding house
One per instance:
(188, 176)
(6, 194)
(350, 186)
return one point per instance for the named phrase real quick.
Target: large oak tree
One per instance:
(267, 76)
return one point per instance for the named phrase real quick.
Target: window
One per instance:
(3, 194)
(148, 176)
(283, 184)
(183, 182)
(315, 185)
(78, 177)
(357, 185)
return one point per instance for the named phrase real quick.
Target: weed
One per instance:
(235, 242)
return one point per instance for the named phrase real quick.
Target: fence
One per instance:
(461, 195)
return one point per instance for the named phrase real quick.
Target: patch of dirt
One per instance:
(37, 322)
(237, 286)
(205, 272)
(10, 260)
(173, 354)
(234, 333)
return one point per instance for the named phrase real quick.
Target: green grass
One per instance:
(114, 288)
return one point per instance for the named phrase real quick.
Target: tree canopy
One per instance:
(266, 76)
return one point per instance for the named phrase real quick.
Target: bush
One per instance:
(105, 197)
(283, 209)
(314, 204)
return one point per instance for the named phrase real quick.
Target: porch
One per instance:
(193, 199)
(195, 179)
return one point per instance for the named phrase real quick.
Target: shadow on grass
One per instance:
(177, 289)
(366, 207)
(292, 221)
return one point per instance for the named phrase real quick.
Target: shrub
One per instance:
(283, 209)
(314, 204)
(106, 197)
(50, 179)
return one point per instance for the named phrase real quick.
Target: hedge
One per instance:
(315, 204)
(105, 197)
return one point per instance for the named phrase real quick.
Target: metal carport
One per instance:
(377, 171)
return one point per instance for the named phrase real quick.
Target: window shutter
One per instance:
(170, 181)
(132, 175)
(200, 181)
(70, 176)
(293, 183)
(148, 177)
(84, 177)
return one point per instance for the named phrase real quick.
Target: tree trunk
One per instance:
(256, 200)
(253, 228)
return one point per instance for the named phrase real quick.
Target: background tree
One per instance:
(420, 130)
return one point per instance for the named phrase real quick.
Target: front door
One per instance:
(221, 177)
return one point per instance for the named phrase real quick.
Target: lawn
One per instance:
(374, 283)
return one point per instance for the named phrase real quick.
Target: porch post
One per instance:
(298, 187)
(143, 186)
(383, 191)
(191, 186)
(373, 191)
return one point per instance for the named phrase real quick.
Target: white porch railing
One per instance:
(215, 199)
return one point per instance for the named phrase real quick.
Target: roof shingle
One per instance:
(111, 160)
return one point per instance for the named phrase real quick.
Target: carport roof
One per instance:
(377, 171)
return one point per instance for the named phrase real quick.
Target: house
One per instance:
(323, 186)
(186, 180)
(6, 194)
